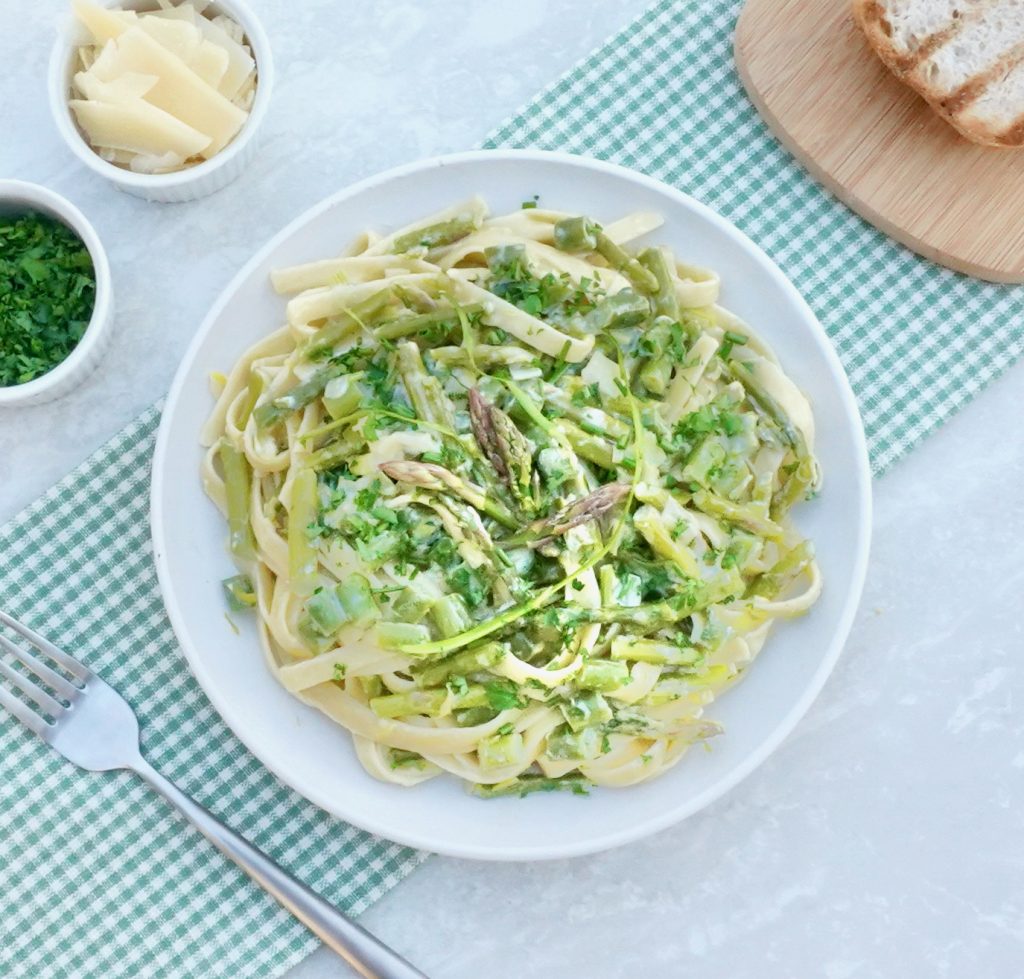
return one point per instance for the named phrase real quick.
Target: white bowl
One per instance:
(19, 197)
(183, 185)
(313, 754)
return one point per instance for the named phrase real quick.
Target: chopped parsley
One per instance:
(47, 294)
(503, 695)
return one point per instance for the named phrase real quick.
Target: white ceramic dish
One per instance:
(183, 185)
(314, 755)
(20, 197)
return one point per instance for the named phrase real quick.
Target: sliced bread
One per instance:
(966, 57)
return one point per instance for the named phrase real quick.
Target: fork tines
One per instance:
(61, 693)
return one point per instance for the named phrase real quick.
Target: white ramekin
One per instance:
(184, 185)
(20, 197)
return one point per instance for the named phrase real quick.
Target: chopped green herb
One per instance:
(47, 294)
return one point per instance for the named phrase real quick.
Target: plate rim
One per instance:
(785, 725)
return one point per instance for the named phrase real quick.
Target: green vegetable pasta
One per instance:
(510, 496)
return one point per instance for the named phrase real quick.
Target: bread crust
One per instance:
(873, 21)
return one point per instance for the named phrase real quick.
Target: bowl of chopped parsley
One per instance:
(55, 298)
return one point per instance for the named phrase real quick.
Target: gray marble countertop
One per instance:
(885, 837)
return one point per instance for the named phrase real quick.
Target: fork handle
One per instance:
(368, 956)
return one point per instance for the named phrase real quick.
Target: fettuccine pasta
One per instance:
(510, 498)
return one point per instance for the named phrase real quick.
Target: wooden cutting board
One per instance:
(875, 144)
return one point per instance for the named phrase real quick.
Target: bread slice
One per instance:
(966, 57)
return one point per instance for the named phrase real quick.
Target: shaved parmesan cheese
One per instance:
(178, 36)
(129, 87)
(170, 85)
(185, 40)
(226, 34)
(179, 90)
(210, 63)
(137, 126)
(102, 22)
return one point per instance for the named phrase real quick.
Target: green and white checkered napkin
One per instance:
(97, 878)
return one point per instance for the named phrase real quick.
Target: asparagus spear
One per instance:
(429, 476)
(485, 356)
(322, 343)
(456, 513)
(591, 507)
(482, 419)
(666, 302)
(425, 393)
(481, 657)
(518, 455)
(593, 448)
(581, 234)
(619, 310)
(436, 235)
(271, 413)
(651, 651)
(302, 552)
(657, 370)
(429, 702)
(407, 326)
(237, 479)
(505, 447)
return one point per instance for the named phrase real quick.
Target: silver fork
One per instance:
(94, 727)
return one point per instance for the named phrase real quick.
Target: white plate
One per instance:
(314, 755)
